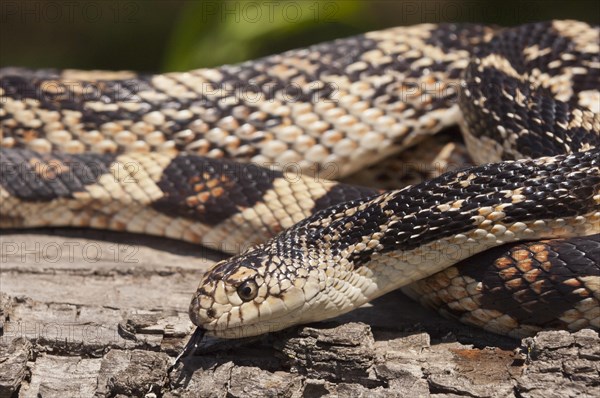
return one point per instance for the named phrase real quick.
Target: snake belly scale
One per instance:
(186, 156)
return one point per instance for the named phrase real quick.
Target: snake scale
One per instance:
(233, 158)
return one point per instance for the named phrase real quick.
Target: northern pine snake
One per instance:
(518, 93)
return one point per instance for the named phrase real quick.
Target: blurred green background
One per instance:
(157, 35)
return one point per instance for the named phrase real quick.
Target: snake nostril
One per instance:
(210, 313)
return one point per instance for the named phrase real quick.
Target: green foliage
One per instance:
(218, 32)
(159, 35)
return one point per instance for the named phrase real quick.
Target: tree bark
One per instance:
(107, 317)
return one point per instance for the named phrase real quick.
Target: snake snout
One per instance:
(246, 296)
(194, 310)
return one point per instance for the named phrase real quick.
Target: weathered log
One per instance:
(107, 328)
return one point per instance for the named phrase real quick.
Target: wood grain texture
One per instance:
(112, 328)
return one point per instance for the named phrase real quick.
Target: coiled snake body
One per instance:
(146, 154)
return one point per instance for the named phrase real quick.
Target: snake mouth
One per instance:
(225, 325)
(256, 327)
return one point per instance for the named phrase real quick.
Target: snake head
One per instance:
(257, 292)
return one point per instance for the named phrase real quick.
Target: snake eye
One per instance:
(247, 290)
